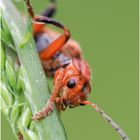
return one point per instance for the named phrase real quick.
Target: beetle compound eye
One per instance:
(71, 83)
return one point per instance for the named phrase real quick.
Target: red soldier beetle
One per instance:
(70, 71)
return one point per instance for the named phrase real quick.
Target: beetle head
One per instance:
(75, 86)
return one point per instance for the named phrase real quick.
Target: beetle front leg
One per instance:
(45, 112)
(49, 107)
(58, 43)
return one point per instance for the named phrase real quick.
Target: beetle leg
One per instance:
(50, 11)
(54, 47)
(49, 107)
(57, 44)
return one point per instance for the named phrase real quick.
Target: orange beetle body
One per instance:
(70, 72)
(62, 59)
(43, 37)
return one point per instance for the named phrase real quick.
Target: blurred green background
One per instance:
(108, 34)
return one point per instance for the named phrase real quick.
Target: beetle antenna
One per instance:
(108, 119)
(29, 7)
(44, 19)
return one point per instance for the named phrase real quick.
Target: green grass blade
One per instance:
(37, 92)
